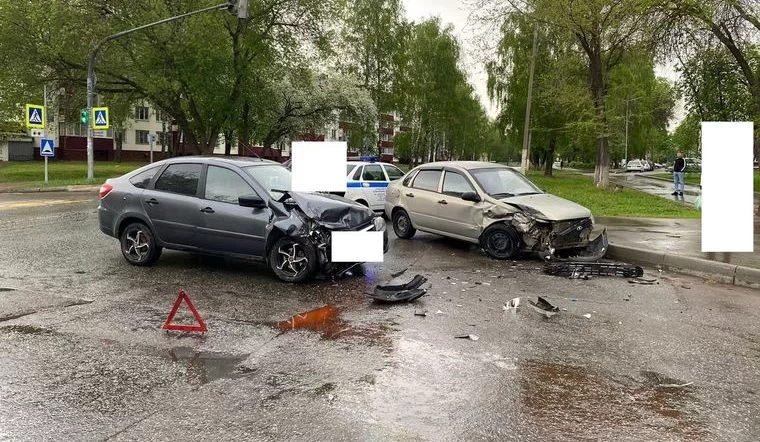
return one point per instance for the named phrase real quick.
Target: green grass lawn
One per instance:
(23, 174)
(694, 178)
(628, 202)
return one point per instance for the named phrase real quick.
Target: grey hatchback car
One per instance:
(238, 207)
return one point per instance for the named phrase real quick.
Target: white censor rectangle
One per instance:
(357, 246)
(318, 166)
(727, 193)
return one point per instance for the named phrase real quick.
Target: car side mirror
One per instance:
(471, 196)
(251, 201)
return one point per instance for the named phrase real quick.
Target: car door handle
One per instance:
(151, 201)
(207, 210)
(411, 195)
(442, 202)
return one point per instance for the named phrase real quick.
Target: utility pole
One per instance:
(236, 7)
(526, 133)
(45, 105)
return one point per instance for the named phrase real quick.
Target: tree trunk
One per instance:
(598, 91)
(228, 142)
(549, 158)
(119, 144)
(245, 133)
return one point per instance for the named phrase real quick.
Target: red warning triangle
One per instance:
(201, 326)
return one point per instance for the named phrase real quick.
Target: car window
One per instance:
(393, 172)
(455, 184)
(349, 168)
(271, 177)
(225, 185)
(180, 178)
(427, 180)
(503, 182)
(358, 174)
(409, 179)
(142, 179)
(373, 172)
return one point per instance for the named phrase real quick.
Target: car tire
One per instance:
(293, 259)
(138, 245)
(402, 224)
(500, 242)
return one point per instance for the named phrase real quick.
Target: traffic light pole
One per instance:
(91, 74)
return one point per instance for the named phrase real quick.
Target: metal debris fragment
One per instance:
(587, 316)
(674, 385)
(544, 307)
(470, 337)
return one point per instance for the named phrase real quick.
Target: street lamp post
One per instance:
(240, 7)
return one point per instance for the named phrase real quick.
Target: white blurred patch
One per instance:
(319, 166)
(357, 246)
(727, 194)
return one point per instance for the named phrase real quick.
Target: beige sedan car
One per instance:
(492, 205)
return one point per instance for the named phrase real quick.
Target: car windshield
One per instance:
(271, 176)
(502, 182)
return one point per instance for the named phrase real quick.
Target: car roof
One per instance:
(466, 165)
(219, 159)
(362, 163)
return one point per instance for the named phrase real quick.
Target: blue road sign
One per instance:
(100, 118)
(47, 148)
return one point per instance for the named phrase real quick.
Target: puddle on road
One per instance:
(205, 367)
(326, 321)
(588, 403)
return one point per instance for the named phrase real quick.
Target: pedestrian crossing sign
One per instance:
(47, 148)
(34, 117)
(100, 118)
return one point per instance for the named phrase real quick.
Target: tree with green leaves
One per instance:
(602, 31)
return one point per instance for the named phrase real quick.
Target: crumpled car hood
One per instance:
(548, 207)
(332, 211)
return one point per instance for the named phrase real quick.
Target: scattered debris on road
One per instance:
(674, 385)
(408, 292)
(544, 307)
(512, 304)
(575, 269)
(423, 314)
(643, 281)
(587, 316)
(470, 337)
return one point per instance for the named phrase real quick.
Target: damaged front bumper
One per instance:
(552, 239)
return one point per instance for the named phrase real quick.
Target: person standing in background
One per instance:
(679, 169)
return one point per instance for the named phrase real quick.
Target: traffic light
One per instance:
(238, 7)
(84, 116)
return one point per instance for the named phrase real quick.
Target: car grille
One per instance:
(563, 228)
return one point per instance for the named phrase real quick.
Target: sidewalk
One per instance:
(676, 243)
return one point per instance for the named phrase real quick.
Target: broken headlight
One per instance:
(379, 224)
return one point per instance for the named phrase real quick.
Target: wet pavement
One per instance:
(676, 236)
(84, 356)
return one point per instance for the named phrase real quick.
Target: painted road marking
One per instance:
(26, 204)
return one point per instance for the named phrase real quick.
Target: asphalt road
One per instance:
(84, 358)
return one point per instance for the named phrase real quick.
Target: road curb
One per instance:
(689, 265)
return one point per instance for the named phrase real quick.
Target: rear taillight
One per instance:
(105, 189)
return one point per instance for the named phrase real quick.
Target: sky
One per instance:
(456, 12)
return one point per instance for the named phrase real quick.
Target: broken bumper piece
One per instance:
(595, 251)
(582, 269)
(400, 293)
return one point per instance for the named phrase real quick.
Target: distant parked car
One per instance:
(237, 207)
(366, 182)
(635, 166)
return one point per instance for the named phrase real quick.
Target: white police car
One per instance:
(367, 181)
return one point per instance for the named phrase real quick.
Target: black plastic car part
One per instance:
(402, 292)
(580, 269)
